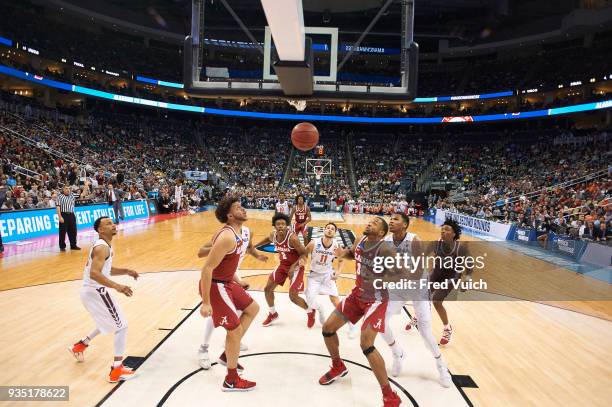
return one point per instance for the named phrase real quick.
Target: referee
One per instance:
(67, 220)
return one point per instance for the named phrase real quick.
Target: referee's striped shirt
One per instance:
(66, 203)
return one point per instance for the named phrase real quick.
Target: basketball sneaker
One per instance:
(120, 373)
(446, 336)
(238, 384)
(412, 324)
(445, 378)
(398, 362)
(271, 317)
(78, 350)
(203, 359)
(392, 400)
(223, 361)
(334, 373)
(311, 319)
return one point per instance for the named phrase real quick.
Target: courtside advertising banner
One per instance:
(23, 225)
(476, 226)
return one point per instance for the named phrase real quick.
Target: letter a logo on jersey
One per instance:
(224, 320)
(378, 323)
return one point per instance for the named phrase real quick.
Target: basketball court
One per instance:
(505, 351)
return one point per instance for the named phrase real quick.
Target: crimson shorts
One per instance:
(373, 312)
(226, 299)
(299, 228)
(279, 276)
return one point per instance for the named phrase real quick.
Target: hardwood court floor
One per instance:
(518, 352)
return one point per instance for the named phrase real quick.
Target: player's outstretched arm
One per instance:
(253, 252)
(346, 252)
(116, 271)
(98, 257)
(265, 240)
(224, 244)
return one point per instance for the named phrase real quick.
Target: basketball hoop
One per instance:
(299, 105)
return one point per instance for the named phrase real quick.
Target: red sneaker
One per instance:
(446, 336)
(223, 361)
(239, 384)
(77, 351)
(311, 319)
(120, 373)
(412, 324)
(271, 317)
(392, 400)
(334, 373)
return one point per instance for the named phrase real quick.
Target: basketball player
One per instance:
(302, 215)
(222, 297)
(282, 206)
(363, 301)
(322, 277)
(99, 302)
(447, 246)
(247, 247)
(292, 256)
(410, 244)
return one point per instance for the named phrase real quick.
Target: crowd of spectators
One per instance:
(561, 183)
(41, 150)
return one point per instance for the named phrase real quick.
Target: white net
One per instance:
(299, 105)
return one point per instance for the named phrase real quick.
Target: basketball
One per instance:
(304, 136)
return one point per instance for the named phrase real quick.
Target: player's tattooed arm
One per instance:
(346, 252)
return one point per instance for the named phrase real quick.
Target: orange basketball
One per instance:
(304, 136)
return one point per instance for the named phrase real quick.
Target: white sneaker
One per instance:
(445, 378)
(203, 359)
(322, 316)
(398, 363)
(243, 347)
(352, 333)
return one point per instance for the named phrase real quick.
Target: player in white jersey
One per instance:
(282, 206)
(409, 243)
(322, 277)
(101, 305)
(247, 247)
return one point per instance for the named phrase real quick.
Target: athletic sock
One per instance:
(204, 348)
(447, 327)
(272, 310)
(117, 363)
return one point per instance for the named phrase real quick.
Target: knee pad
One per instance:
(328, 334)
(369, 350)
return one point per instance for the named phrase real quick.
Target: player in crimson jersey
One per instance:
(292, 255)
(301, 211)
(363, 301)
(222, 297)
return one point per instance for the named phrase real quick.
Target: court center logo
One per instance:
(344, 237)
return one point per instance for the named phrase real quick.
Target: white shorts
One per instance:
(320, 284)
(104, 309)
(420, 301)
